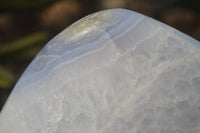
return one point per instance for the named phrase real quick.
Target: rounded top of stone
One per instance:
(78, 37)
(99, 21)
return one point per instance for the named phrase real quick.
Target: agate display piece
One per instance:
(114, 71)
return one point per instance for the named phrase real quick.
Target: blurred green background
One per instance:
(27, 25)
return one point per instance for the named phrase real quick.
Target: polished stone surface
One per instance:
(115, 71)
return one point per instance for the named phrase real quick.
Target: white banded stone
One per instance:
(115, 71)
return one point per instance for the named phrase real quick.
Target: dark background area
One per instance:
(27, 25)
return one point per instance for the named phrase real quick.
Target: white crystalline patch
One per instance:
(111, 72)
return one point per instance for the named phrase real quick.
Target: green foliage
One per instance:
(6, 77)
(22, 44)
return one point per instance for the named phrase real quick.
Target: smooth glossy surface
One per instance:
(115, 71)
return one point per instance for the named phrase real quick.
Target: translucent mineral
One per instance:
(114, 71)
